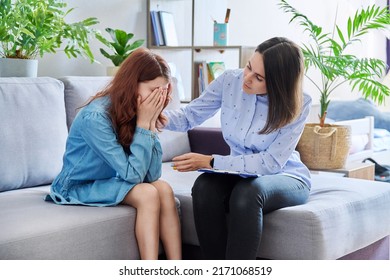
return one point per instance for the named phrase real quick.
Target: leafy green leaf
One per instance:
(120, 45)
(29, 28)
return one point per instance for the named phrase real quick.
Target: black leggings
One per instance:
(229, 209)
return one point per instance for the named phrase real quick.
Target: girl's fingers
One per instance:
(151, 98)
(155, 96)
(154, 103)
(161, 101)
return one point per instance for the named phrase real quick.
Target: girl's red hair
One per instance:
(141, 66)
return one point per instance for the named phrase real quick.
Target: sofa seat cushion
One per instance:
(341, 216)
(33, 131)
(32, 228)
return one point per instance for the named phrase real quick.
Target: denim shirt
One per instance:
(94, 154)
(242, 117)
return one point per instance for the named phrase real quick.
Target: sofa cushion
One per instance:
(78, 89)
(173, 144)
(33, 131)
(357, 109)
(216, 144)
(32, 229)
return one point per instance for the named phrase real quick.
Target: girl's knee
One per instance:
(150, 194)
(143, 196)
(166, 195)
(164, 189)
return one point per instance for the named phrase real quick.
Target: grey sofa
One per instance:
(344, 218)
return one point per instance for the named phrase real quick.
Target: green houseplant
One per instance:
(325, 146)
(29, 28)
(328, 52)
(120, 46)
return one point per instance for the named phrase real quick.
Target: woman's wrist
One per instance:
(212, 162)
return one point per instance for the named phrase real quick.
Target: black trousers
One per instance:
(229, 209)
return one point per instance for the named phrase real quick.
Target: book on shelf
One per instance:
(216, 68)
(201, 86)
(207, 72)
(168, 28)
(203, 76)
(158, 38)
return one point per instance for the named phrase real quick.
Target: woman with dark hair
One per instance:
(113, 154)
(263, 113)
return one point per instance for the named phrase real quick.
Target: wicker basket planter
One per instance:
(325, 147)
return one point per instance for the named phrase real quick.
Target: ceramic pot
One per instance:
(15, 67)
(111, 70)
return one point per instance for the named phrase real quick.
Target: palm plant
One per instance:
(328, 53)
(120, 45)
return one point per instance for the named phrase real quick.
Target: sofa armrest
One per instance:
(208, 140)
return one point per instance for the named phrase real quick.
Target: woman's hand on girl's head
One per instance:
(162, 121)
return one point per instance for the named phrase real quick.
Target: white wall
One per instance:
(129, 15)
(251, 22)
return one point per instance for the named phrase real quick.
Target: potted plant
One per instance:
(121, 46)
(328, 52)
(29, 28)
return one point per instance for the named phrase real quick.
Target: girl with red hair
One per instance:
(113, 154)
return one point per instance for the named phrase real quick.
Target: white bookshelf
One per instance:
(194, 29)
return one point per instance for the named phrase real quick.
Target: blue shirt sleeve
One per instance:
(198, 110)
(99, 134)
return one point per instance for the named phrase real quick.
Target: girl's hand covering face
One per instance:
(150, 108)
(152, 99)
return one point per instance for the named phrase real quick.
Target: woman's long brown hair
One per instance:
(141, 66)
(284, 70)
